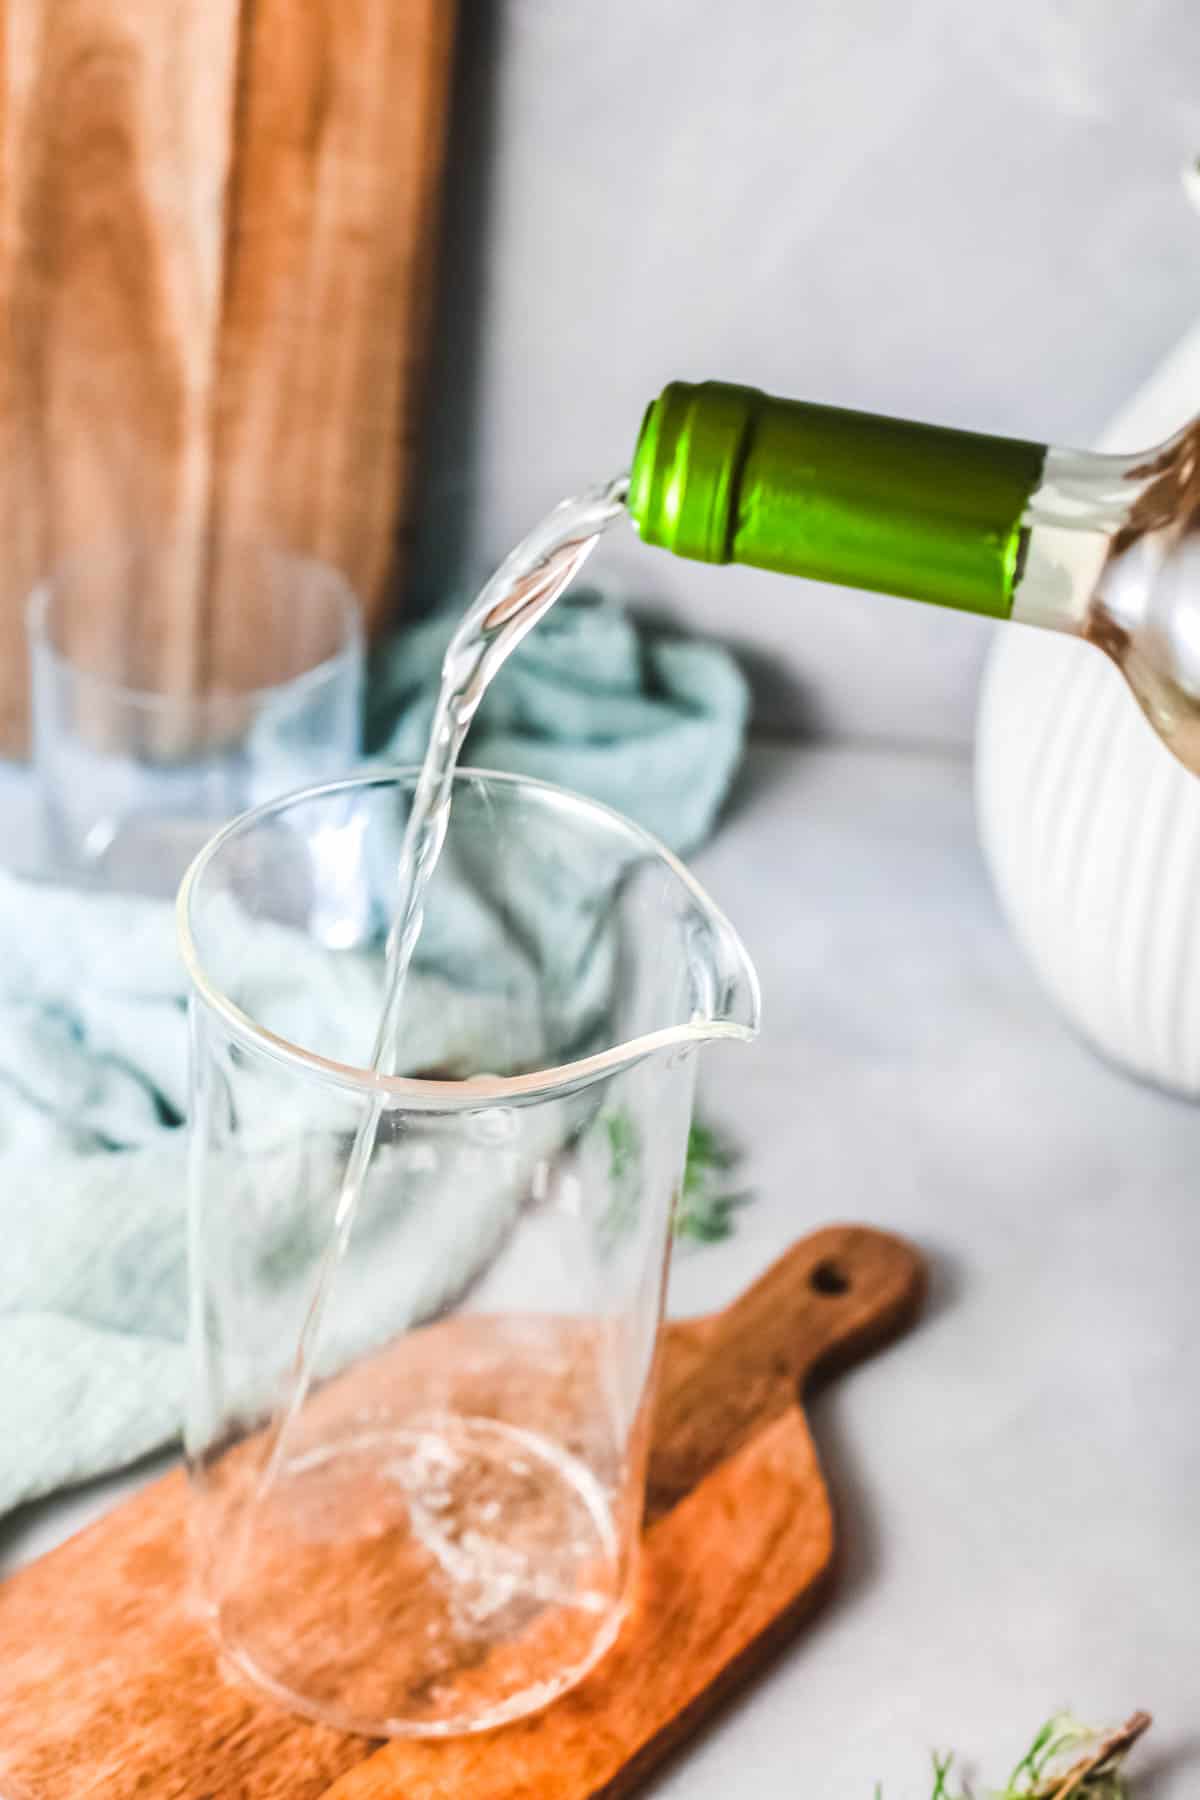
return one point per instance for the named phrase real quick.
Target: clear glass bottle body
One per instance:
(1111, 553)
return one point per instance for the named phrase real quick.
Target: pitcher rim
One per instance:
(420, 1093)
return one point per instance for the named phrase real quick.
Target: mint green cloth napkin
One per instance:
(93, 1037)
(650, 723)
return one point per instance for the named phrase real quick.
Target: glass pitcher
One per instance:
(433, 1528)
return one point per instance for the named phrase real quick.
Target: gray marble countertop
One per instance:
(1015, 1481)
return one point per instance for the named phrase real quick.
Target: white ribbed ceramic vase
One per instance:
(1092, 832)
(1090, 826)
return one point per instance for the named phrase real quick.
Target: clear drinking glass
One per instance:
(149, 731)
(440, 1533)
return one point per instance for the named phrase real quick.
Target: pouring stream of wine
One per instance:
(511, 603)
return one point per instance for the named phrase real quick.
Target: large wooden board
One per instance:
(108, 1687)
(215, 274)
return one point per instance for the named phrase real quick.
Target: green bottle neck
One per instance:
(728, 474)
(1103, 547)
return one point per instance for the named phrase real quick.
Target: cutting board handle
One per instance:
(830, 1299)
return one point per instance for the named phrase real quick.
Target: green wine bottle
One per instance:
(1104, 547)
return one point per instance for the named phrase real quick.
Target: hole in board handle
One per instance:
(829, 1278)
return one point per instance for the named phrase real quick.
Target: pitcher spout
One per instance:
(727, 998)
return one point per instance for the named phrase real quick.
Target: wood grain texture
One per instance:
(116, 147)
(110, 1687)
(214, 274)
(327, 286)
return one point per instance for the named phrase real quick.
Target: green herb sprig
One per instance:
(1065, 1761)
(705, 1205)
(704, 1211)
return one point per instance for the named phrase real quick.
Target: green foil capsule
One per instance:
(729, 474)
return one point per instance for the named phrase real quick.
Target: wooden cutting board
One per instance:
(110, 1687)
(217, 234)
